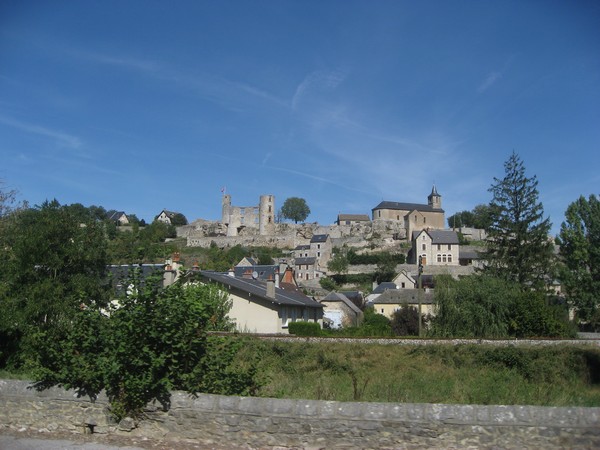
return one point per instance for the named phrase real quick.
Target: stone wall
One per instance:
(267, 423)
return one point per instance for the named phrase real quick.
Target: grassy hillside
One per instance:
(464, 374)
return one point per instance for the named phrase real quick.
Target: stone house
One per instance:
(260, 306)
(435, 247)
(414, 216)
(321, 248)
(310, 260)
(340, 311)
(404, 280)
(352, 219)
(393, 299)
(118, 217)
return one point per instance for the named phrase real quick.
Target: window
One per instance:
(424, 219)
(449, 258)
(269, 208)
(439, 258)
(403, 285)
(415, 217)
(318, 254)
(381, 310)
(449, 247)
(242, 211)
(444, 258)
(424, 246)
(439, 247)
(318, 246)
(378, 213)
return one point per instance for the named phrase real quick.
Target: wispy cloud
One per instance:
(317, 80)
(63, 139)
(489, 81)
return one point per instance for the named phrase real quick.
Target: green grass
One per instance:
(467, 374)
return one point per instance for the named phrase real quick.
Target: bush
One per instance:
(304, 328)
(152, 342)
(327, 283)
(405, 321)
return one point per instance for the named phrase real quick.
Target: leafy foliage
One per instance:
(296, 209)
(518, 248)
(405, 321)
(300, 328)
(579, 241)
(480, 217)
(479, 306)
(152, 341)
(53, 264)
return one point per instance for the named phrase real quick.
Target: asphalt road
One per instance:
(27, 443)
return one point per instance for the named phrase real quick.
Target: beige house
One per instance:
(118, 217)
(393, 299)
(340, 311)
(436, 247)
(414, 216)
(260, 306)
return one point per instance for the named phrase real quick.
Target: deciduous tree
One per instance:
(579, 241)
(296, 209)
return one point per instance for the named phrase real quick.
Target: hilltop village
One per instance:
(414, 230)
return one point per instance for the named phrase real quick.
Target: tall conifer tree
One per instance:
(518, 244)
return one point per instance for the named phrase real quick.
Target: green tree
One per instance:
(152, 341)
(461, 219)
(479, 217)
(386, 267)
(178, 220)
(477, 306)
(518, 248)
(339, 262)
(52, 265)
(579, 241)
(295, 209)
(405, 321)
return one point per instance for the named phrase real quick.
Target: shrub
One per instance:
(405, 321)
(304, 328)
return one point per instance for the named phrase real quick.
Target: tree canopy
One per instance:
(296, 209)
(518, 246)
(579, 240)
(479, 217)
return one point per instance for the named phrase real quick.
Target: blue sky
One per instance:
(145, 105)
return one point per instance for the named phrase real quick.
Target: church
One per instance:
(415, 216)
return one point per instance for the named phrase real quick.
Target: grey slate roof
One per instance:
(406, 207)
(354, 217)
(302, 247)
(258, 288)
(386, 285)
(440, 236)
(407, 296)
(264, 272)
(319, 238)
(301, 261)
(339, 297)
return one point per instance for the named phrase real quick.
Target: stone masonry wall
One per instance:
(283, 423)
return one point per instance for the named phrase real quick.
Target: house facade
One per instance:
(352, 219)
(414, 216)
(264, 306)
(393, 299)
(435, 247)
(310, 260)
(340, 311)
(166, 216)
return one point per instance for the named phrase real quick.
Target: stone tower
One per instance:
(266, 215)
(434, 199)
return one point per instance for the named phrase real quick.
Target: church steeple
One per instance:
(434, 199)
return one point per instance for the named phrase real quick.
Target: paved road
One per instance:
(27, 443)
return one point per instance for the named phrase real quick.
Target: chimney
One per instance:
(271, 288)
(277, 277)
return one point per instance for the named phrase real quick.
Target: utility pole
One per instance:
(419, 294)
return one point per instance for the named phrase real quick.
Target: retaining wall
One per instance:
(282, 423)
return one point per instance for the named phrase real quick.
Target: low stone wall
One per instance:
(283, 423)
